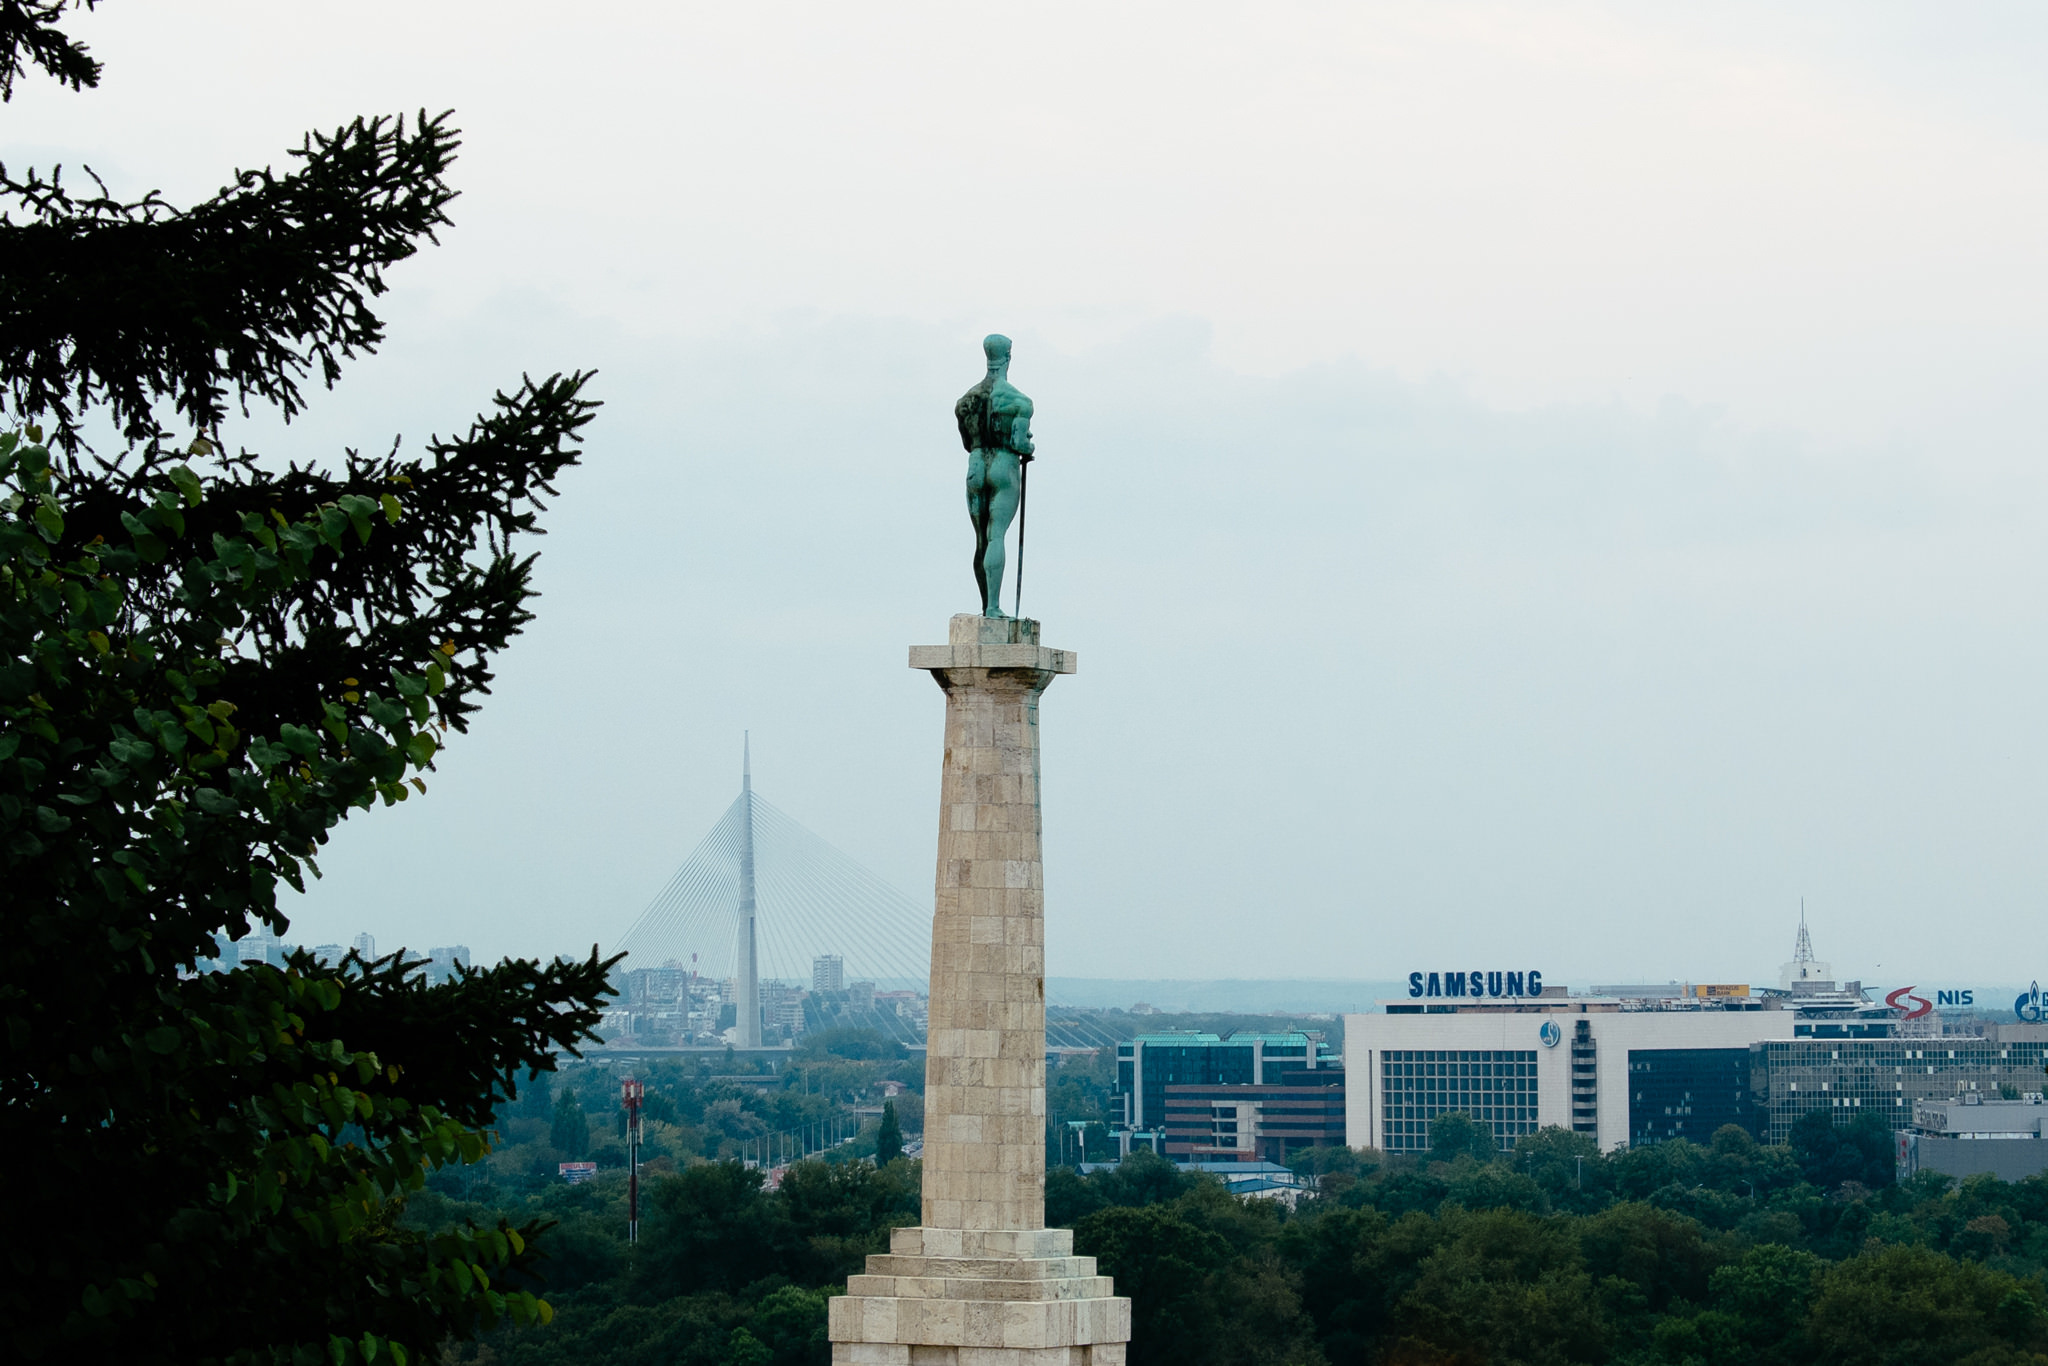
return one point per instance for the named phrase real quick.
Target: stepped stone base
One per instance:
(979, 1297)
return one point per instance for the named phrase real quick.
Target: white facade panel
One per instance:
(1367, 1038)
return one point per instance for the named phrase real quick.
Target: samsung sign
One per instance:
(1473, 986)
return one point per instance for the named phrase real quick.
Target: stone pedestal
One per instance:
(984, 1282)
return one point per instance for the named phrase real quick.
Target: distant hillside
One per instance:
(1292, 996)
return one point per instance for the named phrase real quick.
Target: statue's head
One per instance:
(996, 347)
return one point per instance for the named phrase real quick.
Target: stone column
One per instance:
(984, 1282)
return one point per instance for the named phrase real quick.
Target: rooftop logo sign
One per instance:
(2028, 1005)
(1475, 986)
(1909, 1006)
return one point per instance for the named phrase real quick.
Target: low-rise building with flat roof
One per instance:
(1229, 1097)
(1970, 1135)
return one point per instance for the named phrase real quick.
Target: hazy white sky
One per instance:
(1554, 483)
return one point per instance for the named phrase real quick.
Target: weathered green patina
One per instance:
(995, 427)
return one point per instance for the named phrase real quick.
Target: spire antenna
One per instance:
(1802, 951)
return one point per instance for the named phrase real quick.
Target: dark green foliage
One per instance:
(1923, 1272)
(1663, 1257)
(1457, 1135)
(860, 1045)
(1144, 1178)
(1766, 1295)
(1830, 1154)
(204, 669)
(1566, 1167)
(843, 1212)
(1496, 1285)
(1203, 1285)
(569, 1133)
(120, 305)
(1902, 1306)
(888, 1138)
(536, 1096)
(709, 1229)
(29, 36)
(1169, 1268)
(168, 757)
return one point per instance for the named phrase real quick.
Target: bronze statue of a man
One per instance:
(995, 427)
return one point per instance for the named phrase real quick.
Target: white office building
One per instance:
(1575, 1062)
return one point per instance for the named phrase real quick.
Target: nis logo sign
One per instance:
(1913, 1007)
(1473, 986)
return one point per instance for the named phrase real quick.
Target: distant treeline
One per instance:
(1724, 1254)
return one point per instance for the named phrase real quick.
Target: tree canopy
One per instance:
(208, 661)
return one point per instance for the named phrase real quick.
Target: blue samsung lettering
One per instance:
(1479, 983)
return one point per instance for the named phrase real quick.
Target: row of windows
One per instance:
(1476, 1111)
(1412, 1135)
(1494, 1086)
(1459, 1069)
(1891, 1052)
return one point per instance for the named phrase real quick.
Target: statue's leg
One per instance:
(977, 512)
(1002, 510)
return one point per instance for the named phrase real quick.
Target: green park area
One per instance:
(1732, 1252)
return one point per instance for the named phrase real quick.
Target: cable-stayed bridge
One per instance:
(761, 899)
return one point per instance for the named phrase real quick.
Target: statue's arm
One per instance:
(1020, 429)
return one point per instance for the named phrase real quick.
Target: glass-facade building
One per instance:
(1232, 1097)
(1790, 1077)
(1497, 1086)
(1150, 1063)
(1688, 1093)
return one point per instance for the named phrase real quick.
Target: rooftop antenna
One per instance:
(1802, 952)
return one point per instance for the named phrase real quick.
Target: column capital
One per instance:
(978, 642)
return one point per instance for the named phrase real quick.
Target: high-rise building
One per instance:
(828, 973)
(366, 945)
(260, 945)
(443, 959)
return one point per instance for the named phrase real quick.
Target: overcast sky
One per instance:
(1529, 485)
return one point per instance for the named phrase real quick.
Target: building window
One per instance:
(1791, 1077)
(1496, 1087)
